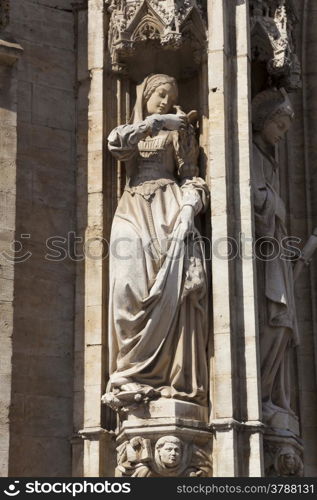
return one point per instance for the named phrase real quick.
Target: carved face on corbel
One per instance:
(170, 453)
(171, 456)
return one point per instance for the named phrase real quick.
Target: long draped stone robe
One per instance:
(277, 314)
(158, 288)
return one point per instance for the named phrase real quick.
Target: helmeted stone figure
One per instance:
(158, 287)
(272, 116)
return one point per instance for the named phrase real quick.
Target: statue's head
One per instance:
(169, 450)
(272, 115)
(156, 94)
(159, 94)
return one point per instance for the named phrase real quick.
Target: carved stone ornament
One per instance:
(168, 456)
(273, 41)
(125, 401)
(4, 13)
(283, 459)
(168, 23)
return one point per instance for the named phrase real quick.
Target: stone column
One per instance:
(235, 368)
(94, 378)
(221, 372)
(252, 426)
(9, 53)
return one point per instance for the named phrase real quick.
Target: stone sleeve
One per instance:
(194, 188)
(123, 140)
(195, 193)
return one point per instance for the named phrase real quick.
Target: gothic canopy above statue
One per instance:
(167, 23)
(273, 41)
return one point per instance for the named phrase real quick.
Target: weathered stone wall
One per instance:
(42, 376)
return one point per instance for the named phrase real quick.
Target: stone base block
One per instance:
(172, 409)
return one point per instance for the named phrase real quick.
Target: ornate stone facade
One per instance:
(197, 384)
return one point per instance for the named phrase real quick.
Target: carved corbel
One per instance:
(168, 456)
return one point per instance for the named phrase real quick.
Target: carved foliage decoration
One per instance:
(4, 13)
(167, 22)
(168, 456)
(273, 40)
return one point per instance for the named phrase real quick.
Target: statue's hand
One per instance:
(172, 122)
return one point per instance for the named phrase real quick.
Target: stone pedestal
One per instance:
(165, 438)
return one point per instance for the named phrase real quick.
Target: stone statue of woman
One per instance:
(272, 115)
(158, 287)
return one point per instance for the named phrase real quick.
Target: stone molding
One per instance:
(227, 424)
(93, 433)
(9, 52)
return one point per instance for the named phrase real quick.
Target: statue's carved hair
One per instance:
(268, 104)
(168, 439)
(154, 81)
(144, 91)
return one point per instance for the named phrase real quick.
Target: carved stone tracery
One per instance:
(273, 41)
(4, 13)
(170, 23)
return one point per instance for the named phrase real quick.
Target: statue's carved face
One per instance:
(161, 99)
(170, 454)
(275, 129)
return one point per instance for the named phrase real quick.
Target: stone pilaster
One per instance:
(94, 379)
(221, 376)
(9, 53)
